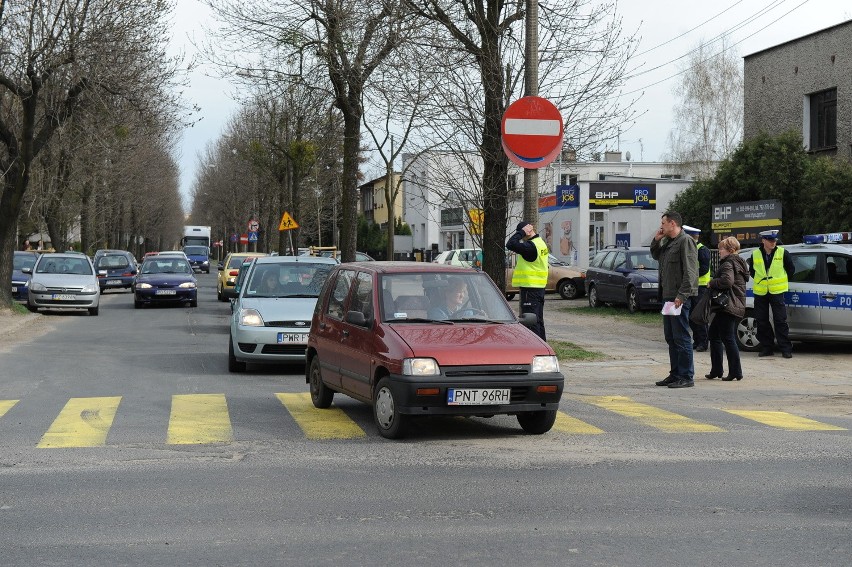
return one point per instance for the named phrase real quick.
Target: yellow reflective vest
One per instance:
(704, 278)
(774, 280)
(532, 274)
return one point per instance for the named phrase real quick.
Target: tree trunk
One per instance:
(10, 208)
(349, 199)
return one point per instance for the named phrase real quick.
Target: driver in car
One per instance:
(454, 298)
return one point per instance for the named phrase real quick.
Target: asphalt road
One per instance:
(755, 472)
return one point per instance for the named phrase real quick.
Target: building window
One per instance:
(567, 179)
(823, 117)
(671, 176)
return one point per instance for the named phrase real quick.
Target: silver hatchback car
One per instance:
(819, 301)
(64, 281)
(271, 315)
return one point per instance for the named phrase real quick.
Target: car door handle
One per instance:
(345, 333)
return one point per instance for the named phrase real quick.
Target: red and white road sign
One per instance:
(532, 132)
(253, 226)
(244, 239)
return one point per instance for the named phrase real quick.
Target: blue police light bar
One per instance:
(828, 237)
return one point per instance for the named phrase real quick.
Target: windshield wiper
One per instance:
(477, 320)
(418, 320)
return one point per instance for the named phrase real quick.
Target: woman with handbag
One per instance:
(731, 278)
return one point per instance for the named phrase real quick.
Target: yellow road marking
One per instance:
(784, 420)
(6, 405)
(567, 424)
(83, 422)
(199, 419)
(329, 423)
(651, 416)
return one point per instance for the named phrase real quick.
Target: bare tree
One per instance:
(709, 109)
(57, 56)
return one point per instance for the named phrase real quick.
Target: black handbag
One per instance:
(719, 299)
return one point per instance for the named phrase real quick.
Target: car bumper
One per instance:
(63, 301)
(524, 394)
(20, 292)
(229, 292)
(151, 296)
(649, 299)
(261, 344)
(117, 282)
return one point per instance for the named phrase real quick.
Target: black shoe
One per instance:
(787, 354)
(711, 376)
(668, 380)
(766, 352)
(729, 378)
(700, 348)
(682, 383)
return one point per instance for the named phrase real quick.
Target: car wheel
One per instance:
(389, 421)
(193, 303)
(234, 365)
(537, 422)
(510, 296)
(632, 300)
(568, 289)
(747, 333)
(32, 308)
(93, 311)
(219, 295)
(593, 297)
(137, 304)
(321, 395)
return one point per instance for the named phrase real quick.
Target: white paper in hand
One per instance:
(670, 309)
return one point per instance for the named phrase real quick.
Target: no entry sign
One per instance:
(532, 132)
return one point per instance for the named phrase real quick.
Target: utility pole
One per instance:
(531, 89)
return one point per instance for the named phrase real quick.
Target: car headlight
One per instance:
(144, 285)
(189, 285)
(250, 318)
(542, 364)
(650, 285)
(38, 287)
(91, 288)
(204, 263)
(420, 367)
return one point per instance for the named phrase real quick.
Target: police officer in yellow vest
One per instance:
(699, 332)
(530, 275)
(771, 268)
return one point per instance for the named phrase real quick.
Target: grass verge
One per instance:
(570, 351)
(19, 308)
(642, 317)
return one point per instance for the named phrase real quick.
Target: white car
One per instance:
(64, 281)
(467, 257)
(819, 302)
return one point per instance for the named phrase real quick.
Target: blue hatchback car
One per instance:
(21, 280)
(116, 270)
(165, 279)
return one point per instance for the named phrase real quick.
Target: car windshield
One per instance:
(22, 261)
(643, 261)
(290, 279)
(442, 297)
(195, 250)
(169, 265)
(77, 266)
(114, 261)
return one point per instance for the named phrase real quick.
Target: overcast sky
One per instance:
(669, 30)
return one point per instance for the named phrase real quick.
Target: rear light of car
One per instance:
(428, 391)
(126, 274)
(233, 273)
(546, 389)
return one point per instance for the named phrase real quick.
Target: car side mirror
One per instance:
(356, 318)
(528, 320)
(27, 270)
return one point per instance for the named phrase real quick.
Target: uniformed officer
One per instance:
(530, 275)
(771, 269)
(699, 332)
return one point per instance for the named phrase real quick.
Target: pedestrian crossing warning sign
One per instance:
(287, 222)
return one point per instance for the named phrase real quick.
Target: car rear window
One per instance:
(113, 262)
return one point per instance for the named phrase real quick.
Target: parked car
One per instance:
(228, 272)
(567, 281)
(624, 276)
(21, 279)
(467, 257)
(165, 279)
(63, 281)
(379, 335)
(819, 301)
(116, 270)
(272, 312)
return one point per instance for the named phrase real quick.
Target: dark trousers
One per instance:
(532, 301)
(676, 331)
(699, 332)
(765, 333)
(723, 339)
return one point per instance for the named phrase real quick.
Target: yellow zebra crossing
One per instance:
(197, 419)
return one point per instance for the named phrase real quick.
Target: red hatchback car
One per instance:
(421, 339)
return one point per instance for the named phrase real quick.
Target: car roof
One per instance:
(295, 259)
(387, 267)
(64, 255)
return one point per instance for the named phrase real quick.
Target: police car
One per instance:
(819, 300)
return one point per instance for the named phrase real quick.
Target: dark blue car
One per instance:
(115, 270)
(165, 279)
(20, 280)
(623, 275)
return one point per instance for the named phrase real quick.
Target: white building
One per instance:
(583, 206)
